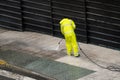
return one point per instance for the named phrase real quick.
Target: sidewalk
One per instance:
(45, 46)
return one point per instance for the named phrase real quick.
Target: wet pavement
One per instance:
(45, 46)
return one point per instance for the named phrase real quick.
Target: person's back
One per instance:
(67, 25)
(67, 28)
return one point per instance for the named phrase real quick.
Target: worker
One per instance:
(67, 27)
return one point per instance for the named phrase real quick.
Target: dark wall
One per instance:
(103, 21)
(10, 14)
(98, 21)
(73, 9)
(37, 16)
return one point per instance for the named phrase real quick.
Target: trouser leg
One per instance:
(75, 45)
(68, 44)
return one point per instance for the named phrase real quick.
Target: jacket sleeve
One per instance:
(73, 24)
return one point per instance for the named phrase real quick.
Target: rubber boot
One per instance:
(76, 54)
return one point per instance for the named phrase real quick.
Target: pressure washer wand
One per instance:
(60, 41)
(58, 44)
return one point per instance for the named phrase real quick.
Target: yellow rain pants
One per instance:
(67, 28)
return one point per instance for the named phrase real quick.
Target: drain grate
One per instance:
(57, 70)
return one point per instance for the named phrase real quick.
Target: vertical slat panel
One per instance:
(10, 14)
(103, 18)
(98, 21)
(73, 9)
(37, 16)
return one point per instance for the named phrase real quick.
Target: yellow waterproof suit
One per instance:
(67, 28)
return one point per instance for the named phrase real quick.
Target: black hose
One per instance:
(111, 68)
(90, 58)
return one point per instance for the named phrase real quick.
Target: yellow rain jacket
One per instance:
(67, 27)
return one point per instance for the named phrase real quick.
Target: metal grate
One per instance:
(48, 69)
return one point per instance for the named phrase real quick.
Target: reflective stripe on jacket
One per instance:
(67, 25)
